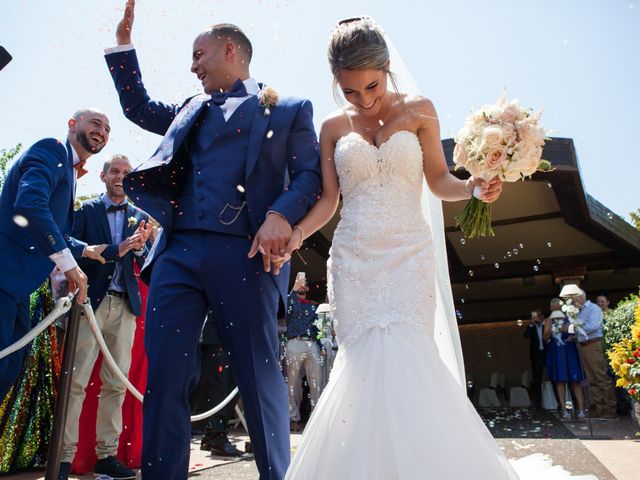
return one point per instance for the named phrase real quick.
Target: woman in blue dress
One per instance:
(563, 361)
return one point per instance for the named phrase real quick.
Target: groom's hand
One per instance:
(123, 32)
(271, 241)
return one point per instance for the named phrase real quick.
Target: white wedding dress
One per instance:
(392, 409)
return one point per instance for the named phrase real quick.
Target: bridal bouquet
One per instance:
(500, 140)
(571, 310)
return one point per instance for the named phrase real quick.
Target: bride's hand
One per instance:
(489, 190)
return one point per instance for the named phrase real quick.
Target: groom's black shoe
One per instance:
(223, 447)
(111, 467)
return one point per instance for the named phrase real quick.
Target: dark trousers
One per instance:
(14, 323)
(201, 270)
(216, 383)
(537, 369)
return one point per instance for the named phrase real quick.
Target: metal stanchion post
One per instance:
(64, 385)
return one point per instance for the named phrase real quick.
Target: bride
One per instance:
(394, 407)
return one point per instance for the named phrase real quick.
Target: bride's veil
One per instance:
(445, 333)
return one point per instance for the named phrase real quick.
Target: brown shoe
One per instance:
(295, 427)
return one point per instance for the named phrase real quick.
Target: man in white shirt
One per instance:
(595, 366)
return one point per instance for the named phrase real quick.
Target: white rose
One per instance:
(509, 135)
(530, 133)
(492, 138)
(460, 155)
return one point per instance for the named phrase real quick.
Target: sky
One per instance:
(578, 60)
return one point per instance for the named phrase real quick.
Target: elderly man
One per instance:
(35, 223)
(590, 343)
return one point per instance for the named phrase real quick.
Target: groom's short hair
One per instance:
(229, 31)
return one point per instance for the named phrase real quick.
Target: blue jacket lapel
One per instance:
(177, 132)
(256, 137)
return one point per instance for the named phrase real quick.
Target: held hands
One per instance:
(77, 281)
(123, 31)
(489, 190)
(271, 241)
(94, 252)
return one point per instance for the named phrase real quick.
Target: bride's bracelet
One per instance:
(298, 227)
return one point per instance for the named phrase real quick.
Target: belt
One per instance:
(115, 293)
(589, 342)
(300, 337)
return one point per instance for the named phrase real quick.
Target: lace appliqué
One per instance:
(381, 269)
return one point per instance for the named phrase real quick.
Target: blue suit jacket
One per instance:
(282, 168)
(92, 226)
(40, 188)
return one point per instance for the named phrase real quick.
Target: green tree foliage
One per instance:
(6, 156)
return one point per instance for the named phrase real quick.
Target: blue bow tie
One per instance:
(237, 90)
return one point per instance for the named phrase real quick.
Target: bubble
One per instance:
(521, 245)
(463, 241)
(482, 257)
(519, 322)
(515, 251)
(492, 424)
(458, 314)
(549, 185)
(240, 188)
(462, 300)
(610, 215)
(489, 355)
(470, 384)
(568, 405)
(20, 221)
(496, 265)
(538, 261)
(470, 273)
(509, 254)
(549, 244)
(536, 268)
(466, 286)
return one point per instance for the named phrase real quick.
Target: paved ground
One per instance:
(609, 450)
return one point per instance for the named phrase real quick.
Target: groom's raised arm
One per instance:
(123, 65)
(303, 164)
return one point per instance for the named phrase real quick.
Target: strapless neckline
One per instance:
(383, 144)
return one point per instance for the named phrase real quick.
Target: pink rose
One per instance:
(494, 158)
(510, 113)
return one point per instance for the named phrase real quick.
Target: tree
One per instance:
(5, 158)
(635, 218)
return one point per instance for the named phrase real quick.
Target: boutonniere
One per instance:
(77, 205)
(268, 99)
(132, 222)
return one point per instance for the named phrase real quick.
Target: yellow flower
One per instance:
(620, 382)
(268, 98)
(132, 222)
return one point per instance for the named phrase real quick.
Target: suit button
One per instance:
(200, 215)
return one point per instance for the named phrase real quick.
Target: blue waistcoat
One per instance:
(213, 196)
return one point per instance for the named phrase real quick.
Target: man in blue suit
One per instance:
(237, 167)
(36, 216)
(115, 297)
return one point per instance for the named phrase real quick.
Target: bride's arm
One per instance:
(443, 184)
(326, 206)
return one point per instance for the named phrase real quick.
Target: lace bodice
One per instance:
(381, 269)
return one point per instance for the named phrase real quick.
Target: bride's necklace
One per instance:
(369, 130)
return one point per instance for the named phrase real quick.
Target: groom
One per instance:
(237, 167)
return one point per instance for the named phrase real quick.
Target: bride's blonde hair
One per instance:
(355, 44)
